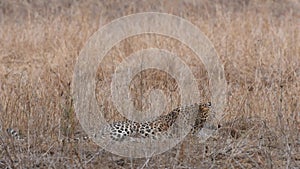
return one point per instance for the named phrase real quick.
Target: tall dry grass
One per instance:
(257, 41)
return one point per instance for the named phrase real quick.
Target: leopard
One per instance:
(153, 129)
(119, 130)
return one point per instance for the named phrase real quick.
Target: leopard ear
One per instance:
(208, 104)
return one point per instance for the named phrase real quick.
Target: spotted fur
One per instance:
(122, 129)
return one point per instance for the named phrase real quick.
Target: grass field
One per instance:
(258, 43)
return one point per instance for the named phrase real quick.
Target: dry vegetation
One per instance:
(257, 41)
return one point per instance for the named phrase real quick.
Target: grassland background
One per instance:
(258, 42)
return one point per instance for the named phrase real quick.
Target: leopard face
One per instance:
(201, 117)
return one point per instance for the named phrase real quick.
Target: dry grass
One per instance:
(258, 42)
